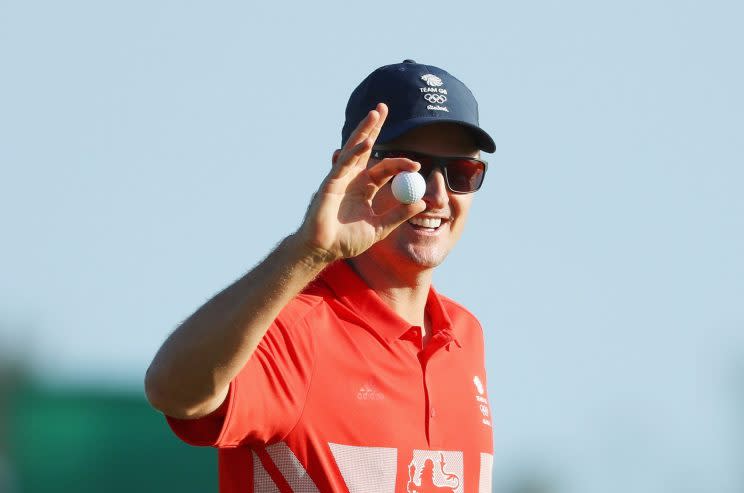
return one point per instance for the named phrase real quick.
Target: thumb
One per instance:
(396, 216)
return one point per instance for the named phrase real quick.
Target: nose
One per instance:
(436, 191)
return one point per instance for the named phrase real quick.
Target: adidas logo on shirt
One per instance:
(367, 392)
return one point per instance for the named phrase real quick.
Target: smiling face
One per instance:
(424, 241)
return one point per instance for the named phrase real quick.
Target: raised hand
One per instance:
(340, 221)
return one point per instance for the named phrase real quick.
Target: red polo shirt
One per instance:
(340, 396)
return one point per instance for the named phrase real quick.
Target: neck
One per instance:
(404, 291)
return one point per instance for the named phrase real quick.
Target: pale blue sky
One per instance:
(604, 254)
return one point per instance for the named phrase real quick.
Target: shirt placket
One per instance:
(434, 349)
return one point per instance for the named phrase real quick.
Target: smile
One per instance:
(426, 222)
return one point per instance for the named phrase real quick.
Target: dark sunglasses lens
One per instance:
(426, 162)
(465, 175)
(462, 175)
(427, 165)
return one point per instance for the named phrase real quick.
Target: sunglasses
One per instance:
(461, 174)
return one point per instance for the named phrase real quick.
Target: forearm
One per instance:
(191, 372)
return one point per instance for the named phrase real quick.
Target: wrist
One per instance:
(313, 258)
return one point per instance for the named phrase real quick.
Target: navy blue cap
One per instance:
(416, 95)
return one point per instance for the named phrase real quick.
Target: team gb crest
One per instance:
(432, 80)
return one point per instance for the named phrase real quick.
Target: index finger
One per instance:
(381, 172)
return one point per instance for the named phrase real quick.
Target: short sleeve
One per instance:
(266, 399)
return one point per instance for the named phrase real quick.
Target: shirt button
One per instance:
(433, 412)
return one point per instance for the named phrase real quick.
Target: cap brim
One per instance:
(390, 132)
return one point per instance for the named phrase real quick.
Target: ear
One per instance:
(334, 158)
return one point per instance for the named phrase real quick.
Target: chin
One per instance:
(426, 258)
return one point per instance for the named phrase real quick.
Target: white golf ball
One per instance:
(408, 187)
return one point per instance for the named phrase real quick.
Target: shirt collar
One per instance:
(357, 296)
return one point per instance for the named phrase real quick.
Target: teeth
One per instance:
(425, 222)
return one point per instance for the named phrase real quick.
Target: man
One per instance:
(333, 365)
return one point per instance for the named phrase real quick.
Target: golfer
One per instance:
(334, 365)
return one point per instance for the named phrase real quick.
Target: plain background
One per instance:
(152, 152)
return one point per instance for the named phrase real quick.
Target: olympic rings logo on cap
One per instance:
(435, 98)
